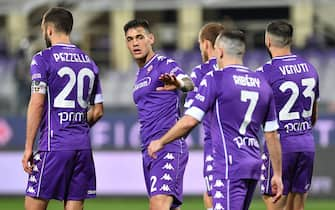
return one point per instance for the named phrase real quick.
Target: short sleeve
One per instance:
(265, 71)
(171, 67)
(317, 93)
(96, 96)
(271, 122)
(196, 81)
(38, 68)
(205, 97)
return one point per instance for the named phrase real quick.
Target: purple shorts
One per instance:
(62, 175)
(164, 175)
(297, 172)
(230, 194)
(207, 171)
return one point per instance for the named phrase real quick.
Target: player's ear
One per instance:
(151, 38)
(207, 44)
(221, 52)
(49, 30)
(267, 40)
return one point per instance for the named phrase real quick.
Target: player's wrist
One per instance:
(181, 85)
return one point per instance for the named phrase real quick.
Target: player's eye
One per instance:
(140, 37)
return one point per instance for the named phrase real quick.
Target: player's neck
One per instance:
(230, 61)
(211, 54)
(62, 39)
(141, 62)
(279, 52)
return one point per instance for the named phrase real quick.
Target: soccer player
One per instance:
(295, 85)
(157, 101)
(241, 102)
(66, 100)
(207, 36)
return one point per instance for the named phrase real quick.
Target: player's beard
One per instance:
(47, 41)
(269, 52)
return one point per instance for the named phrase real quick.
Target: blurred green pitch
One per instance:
(141, 203)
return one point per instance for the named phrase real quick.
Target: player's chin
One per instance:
(138, 56)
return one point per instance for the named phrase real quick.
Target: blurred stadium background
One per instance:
(98, 31)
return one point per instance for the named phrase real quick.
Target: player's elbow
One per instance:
(189, 122)
(37, 101)
(98, 112)
(271, 136)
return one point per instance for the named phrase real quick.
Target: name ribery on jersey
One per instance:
(246, 80)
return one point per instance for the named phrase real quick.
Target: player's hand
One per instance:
(154, 147)
(277, 188)
(170, 82)
(27, 161)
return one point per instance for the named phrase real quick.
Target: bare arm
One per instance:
(34, 116)
(273, 144)
(95, 113)
(180, 129)
(172, 83)
(315, 112)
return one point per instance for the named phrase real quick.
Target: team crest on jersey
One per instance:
(149, 69)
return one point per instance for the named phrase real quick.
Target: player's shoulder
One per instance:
(166, 64)
(265, 67)
(41, 57)
(196, 72)
(165, 61)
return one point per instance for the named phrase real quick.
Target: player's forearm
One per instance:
(95, 113)
(274, 148)
(315, 113)
(180, 129)
(186, 84)
(34, 116)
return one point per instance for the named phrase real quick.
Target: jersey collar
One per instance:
(285, 56)
(150, 61)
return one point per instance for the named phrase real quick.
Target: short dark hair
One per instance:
(210, 31)
(282, 29)
(137, 23)
(61, 18)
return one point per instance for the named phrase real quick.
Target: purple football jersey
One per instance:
(72, 84)
(241, 102)
(295, 85)
(197, 74)
(158, 111)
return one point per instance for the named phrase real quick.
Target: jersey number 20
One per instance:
(61, 101)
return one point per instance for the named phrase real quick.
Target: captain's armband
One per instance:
(38, 87)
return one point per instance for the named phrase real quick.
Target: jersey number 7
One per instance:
(253, 97)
